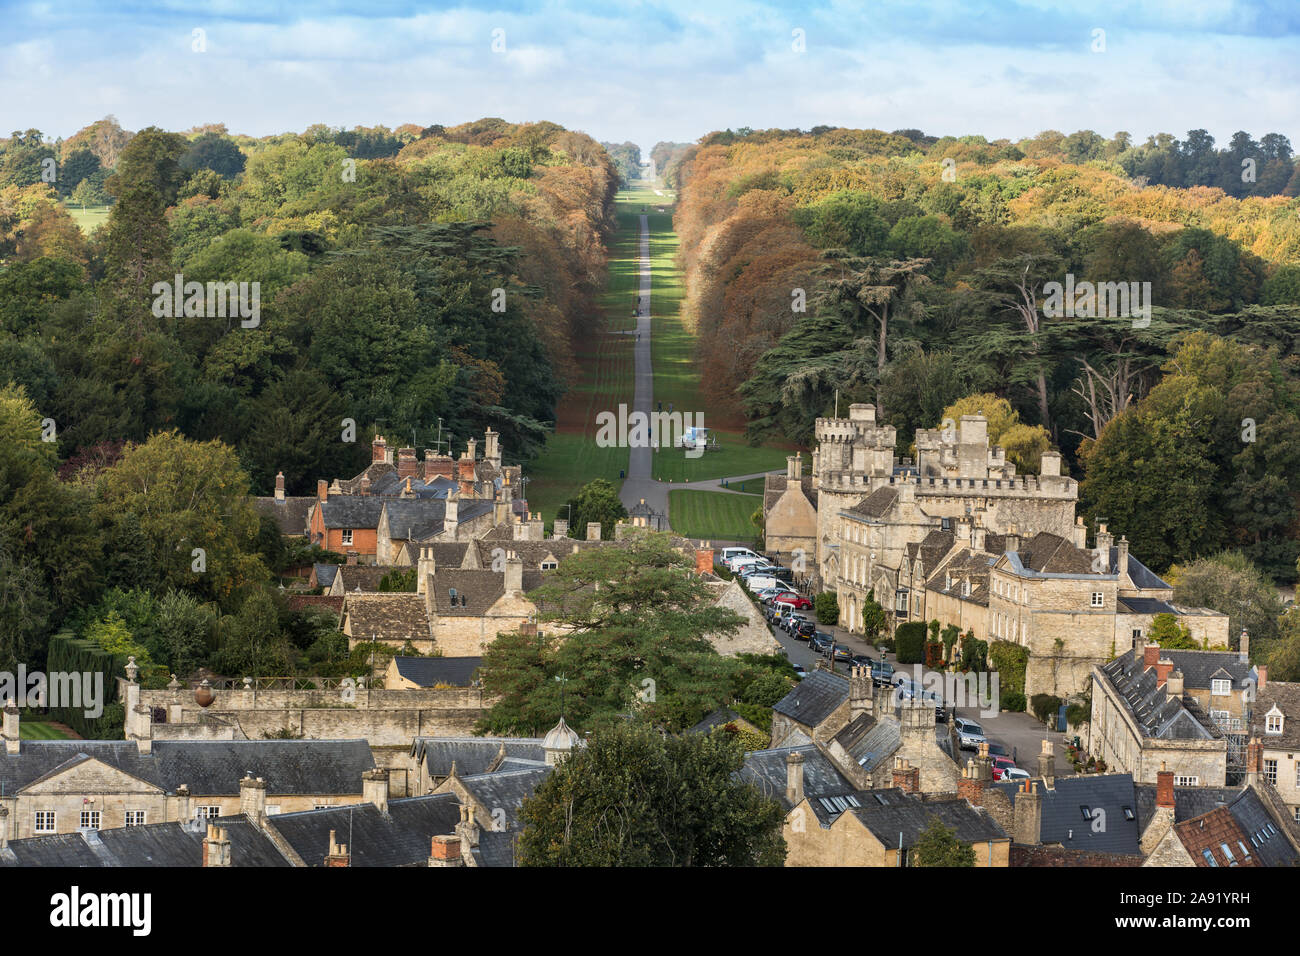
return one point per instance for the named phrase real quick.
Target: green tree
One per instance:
(939, 846)
(632, 797)
(1170, 635)
(595, 501)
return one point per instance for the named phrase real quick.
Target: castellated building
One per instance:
(957, 536)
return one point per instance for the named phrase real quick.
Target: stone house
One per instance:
(1275, 738)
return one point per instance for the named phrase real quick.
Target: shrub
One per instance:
(909, 642)
(974, 654)
(1012, 700)
(827, 607)
(1045, 706)
(1009, 660)
(934, 655)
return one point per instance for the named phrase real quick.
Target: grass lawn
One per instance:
(88, 219)
(677, 377)
(713, 515)
(36, 730)
(571, 457)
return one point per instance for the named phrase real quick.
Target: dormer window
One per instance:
(1220, 687)
(1273, 721)
(965, 588)
(947, 582)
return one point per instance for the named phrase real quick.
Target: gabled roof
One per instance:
(473, 755)
(325, 574)
(397, 616)
(1201, 667)
(876, 504)
(1286, 698)
(775, 485)
(405, 513)
(291, 515)
(351, 511)
(506, 791)
(965, 565)
(894, 816)
(1051, 554)
(1156, 713)
(1217, 834)
(1063, 821)
(814, 698)
(931, 549)
(1135, 605)
(476, 590)
(766, 769)
(870, 742)
(155, 844)
(207, 767)
(430, 671)
(401, 837)
(363, 577)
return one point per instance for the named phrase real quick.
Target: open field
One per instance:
(88, 219)
(38, 730)
(713, 515)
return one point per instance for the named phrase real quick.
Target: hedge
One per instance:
(70, 654)
(827, 607)
(909, 642)
(1009, 660)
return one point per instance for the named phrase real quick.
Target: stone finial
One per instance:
(132, 670)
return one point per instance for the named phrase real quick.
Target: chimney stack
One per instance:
(252, 798)
(1123, 557)
(704, 559)
(12, 742)
(378, 451)
(323, 490)
(1079, 534)
(445, 851)
(1174, 683)
(1164, 667)
(216, 847)
(1262, 673)
(374, 789)
(1028, 815)
(1104, 542)
(1254, 760)
(861, 692)
(906, 777)
(560, 529)
(279, 486)
(407, 466)
(971, 786)
(1243, 646)
(338, 853)
(514, 574)
(1150, 656)
(1047, 765)
(364, 485)
(1165, 788)
(451, 513)
(794, 777)
(4, 828)
(492, 448)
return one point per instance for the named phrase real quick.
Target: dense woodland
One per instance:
(129, 439)
(910, 271)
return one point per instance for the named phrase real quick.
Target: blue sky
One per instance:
(647, 71)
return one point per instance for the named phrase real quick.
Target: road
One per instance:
(639, 483)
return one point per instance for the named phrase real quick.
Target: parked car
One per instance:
(963, 722)
(792, 621)
(730, 554)
(882, 673)
(997, 750)
(784, 596)
(1001, 765)
(820, 641)
(805, 629)
(798, 602)
(799, 671)
(970, 739)
(759, 582)
(842, 652)
(1015, 773)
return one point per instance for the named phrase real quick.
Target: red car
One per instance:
(797, 603)
(1000, 765)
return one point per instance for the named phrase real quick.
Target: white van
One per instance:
(760, 581)
(728, 554)
(743, 561)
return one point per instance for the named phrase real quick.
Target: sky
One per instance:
(651, 71)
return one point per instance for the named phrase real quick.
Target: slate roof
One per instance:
(1286, 698)
(1063, 821)
(1201, 667)
(1157, 713)
(397, 616)
(291, 515)
(966, 564)
(876, 504)
(814, 698)
(402, 837)
(1136, 605)
(931, 548)
(363, 577)
(1189, 802)
(207, 767)
(495, 849)
(178, 844)
(351, 511)
(472, 755)
(532, 553)
(1051, 554)
(870, 742)
(406, 513)
(480, 589)
(446, 554)
(718, 718)
(892, 815)
(428, 671)
(325, 574)
(766, 769)
(505, 791)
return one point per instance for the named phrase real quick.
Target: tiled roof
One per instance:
(876, 504)
(327, 602)
(965, 565)
(405, 513)
(291, 514)
(1286, 698)
(1217, 834)
(774, 485)
(1201, 667)
(931, 548)
(1136, 605)
(429, 671)
(505, 791)
(364, 577)
(870, 742)
(766, 769)
(814, 698)
(446, 554)
(395, 616)
(207, 767)
(476, 590)
(325, 573)
(402, 837)
(1051, 554)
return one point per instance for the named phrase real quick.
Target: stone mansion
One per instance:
(960, 538)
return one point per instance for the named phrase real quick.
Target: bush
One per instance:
(909, 642)
(934, 655)
(827, 607)
(974, 654)
(1009, 660)
(1012, 700)
(1045, 706)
